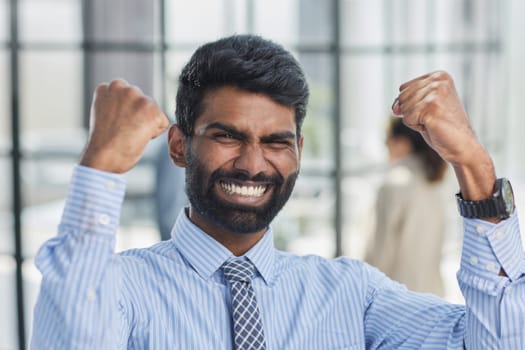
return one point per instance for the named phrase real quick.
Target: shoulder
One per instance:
(349, 278)
(153, 257)
(315, 267)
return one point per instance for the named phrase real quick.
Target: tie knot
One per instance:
(238, 270)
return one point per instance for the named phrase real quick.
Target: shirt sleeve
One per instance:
(78, 306)
(495, 311)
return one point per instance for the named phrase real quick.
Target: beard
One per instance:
(230, 216)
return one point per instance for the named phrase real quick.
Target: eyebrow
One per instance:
(239, 134)
(227, 128)
(278, 136)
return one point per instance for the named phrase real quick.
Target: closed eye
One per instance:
(225, 137)
(280, 144)
(280, 140)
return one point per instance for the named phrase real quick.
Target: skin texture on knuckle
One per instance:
(441, 75)
(432, 102)
(142, 104)
(443, 88)
(117, 83)
(101, 88)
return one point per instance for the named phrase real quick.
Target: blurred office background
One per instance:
(355, 53)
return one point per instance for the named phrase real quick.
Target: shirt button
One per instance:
(508, 290)
(500, 235)
(110, 185)
(490, 266)
(480, 229)
(474, 260)
(104, 219)
(91, 295)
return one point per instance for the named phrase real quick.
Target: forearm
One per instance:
(476, 178)
(77, 305)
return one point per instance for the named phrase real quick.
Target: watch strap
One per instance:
(477, 209)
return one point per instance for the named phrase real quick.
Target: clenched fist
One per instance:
(430, 105)
(122, 122)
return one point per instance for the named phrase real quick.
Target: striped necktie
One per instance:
(247, 323)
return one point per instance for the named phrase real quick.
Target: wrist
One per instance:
(101, 161)
(476, 179)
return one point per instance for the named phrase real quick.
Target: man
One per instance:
(240, 106)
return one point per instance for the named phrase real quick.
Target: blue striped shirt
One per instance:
(173, 295)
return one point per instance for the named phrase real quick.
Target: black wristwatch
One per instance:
(500, 205)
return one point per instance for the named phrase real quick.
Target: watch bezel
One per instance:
(507, 195)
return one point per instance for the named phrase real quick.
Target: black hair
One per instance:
(434, 165)
(247, 62)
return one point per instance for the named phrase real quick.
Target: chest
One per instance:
(185, 311)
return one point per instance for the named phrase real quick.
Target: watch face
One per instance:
(508, 196)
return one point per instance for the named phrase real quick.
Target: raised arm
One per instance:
(79, 303)
(492, 258)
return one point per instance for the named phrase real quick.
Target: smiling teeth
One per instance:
(248, 191)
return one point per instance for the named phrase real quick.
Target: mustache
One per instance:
(219, 174)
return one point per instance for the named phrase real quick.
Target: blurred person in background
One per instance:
(410, 212)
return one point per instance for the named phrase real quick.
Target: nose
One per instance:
(251, 160)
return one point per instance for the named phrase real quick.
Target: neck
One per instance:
(237, 243)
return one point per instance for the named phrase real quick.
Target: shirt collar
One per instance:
(206, 255)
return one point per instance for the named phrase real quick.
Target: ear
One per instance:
(300, 146)
(177, 145)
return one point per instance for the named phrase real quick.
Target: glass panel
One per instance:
(300, 229)
(7, 241)
(292, 23)
(5, 102)
(175, 60)
(494, 23)
(320, 13)
(410, 21)
(203, 20)
(6, 218)
(4, 20)
(282, 25)
(50, 21)
(449, 17)
(487, 99)
(362, 22)
(52, 137)
(319, 124)
(515, 101)
(31, 278)
(140, 69)
(46, 176)
(364, 111)
(133, 21)
(401, 68)
(8, 318)
(51, 92)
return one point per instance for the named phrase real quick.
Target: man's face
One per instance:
(242, 162)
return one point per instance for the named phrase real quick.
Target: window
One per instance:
(355, 54)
